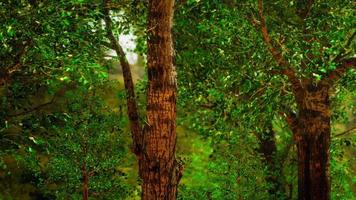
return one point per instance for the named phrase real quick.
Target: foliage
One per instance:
(59, 110)
(89, 137)
(228, 90)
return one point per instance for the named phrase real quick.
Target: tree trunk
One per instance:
(313, 143)
(85, 177)
(268, 149)
(157, 166)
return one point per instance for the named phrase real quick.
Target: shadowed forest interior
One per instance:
(177, 99)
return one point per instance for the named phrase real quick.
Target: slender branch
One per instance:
(40, 106)
(259, 90)
(107, 45)
(349, 41)
(351, 130)
(179, 4)
(132, 109)
(18, 59)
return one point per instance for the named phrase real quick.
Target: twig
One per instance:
(345, 132)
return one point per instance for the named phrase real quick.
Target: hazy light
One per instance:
(128, 44)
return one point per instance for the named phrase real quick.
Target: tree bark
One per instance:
(85, 177)
(312, 137)
(158, 167)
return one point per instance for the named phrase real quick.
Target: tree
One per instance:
(229, 59)
(311, 126)
(85, 150)
(154, 145)
(251, 85)
(160, 171)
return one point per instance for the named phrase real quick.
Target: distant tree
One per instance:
(85, 150)
(312, 76)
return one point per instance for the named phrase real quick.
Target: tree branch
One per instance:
(337, 73)
(40, 106)
(343, 53)
(346, 132)
(303, 8)
(343, 63)
(349, 41)
(277, 55)
(132, 109)
(6, 74)
(107, 45)
(18, 58)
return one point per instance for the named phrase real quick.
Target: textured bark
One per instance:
(312, 137)
(158, 167)
(268, 149)
(85, 186)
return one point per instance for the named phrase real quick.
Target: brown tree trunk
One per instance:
(313, 142)
(268, 149)
(85, 177)
(157, 166)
